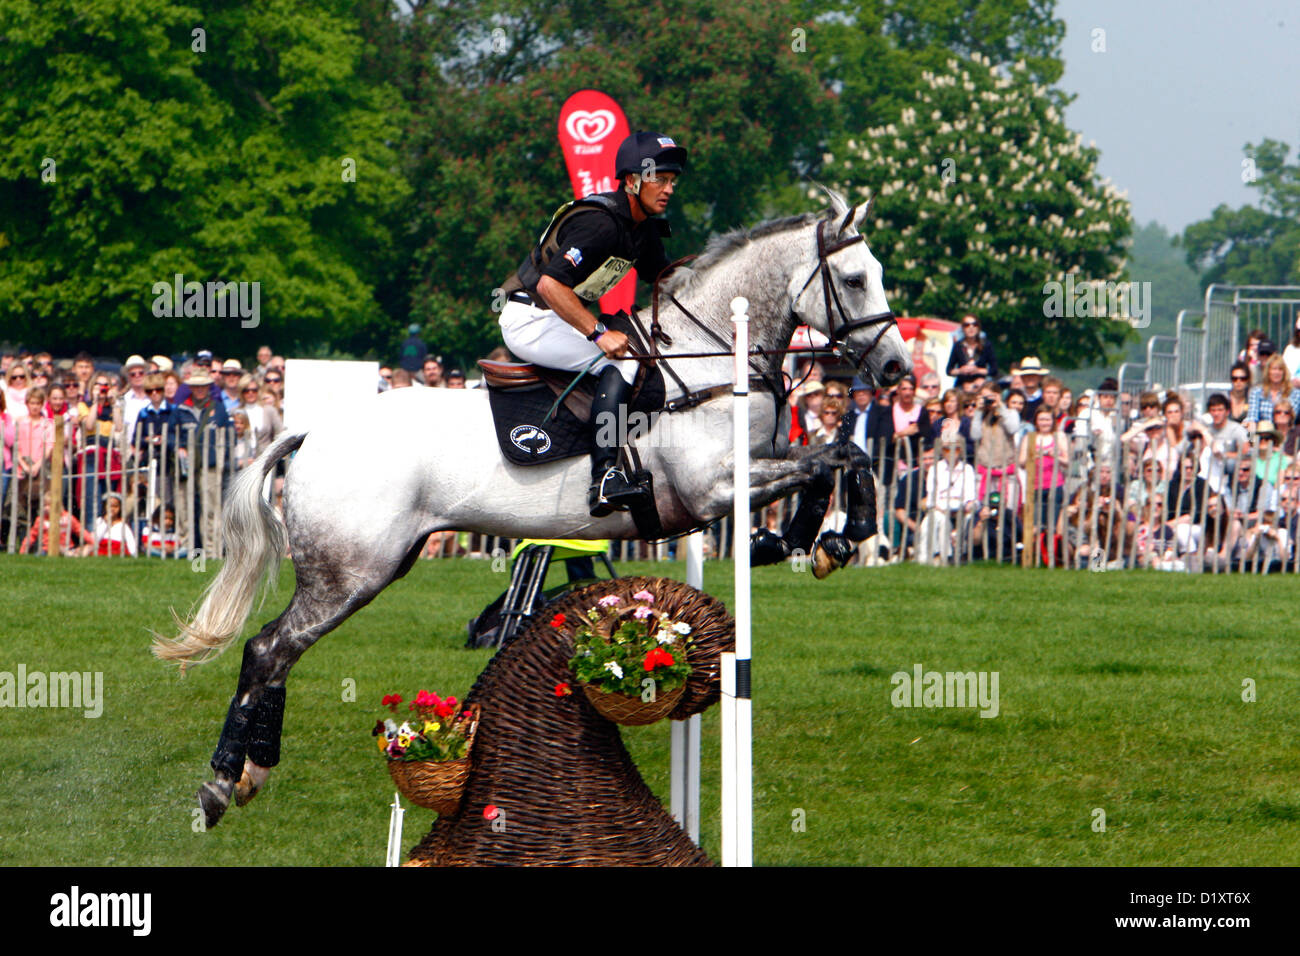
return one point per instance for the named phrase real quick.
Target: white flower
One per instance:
(614, 669)
(681, 627)
(665, 637)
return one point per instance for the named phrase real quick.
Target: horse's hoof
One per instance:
(767, 548)
(213, 801)
(250, 783)
(832, 552)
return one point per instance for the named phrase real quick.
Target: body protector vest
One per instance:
(607, 275)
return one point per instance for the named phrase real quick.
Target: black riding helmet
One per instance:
(636, 149)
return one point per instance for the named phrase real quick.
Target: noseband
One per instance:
(839, 324)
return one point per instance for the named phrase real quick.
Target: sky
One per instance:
(1182, 86)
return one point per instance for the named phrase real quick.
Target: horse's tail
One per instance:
(255, 541)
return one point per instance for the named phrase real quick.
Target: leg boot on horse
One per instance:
(611, 489)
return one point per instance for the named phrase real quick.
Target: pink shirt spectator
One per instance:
(902, 419)
(34, 439)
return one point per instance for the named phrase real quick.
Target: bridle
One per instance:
(839, 333)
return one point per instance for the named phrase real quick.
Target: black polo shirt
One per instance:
(590, 237)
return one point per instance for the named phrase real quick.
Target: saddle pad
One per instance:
(523, 433)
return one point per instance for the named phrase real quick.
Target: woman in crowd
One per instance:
(245, 449)
(17, 382)
(7, 439)
(1046, 452)
(1274, 388)
(112, 534)
(832, 414)
(1239, 393)
(263, 418)
(1250, 354)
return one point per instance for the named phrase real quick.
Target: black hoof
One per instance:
(767, 548)
(833, 551)
(213, 801)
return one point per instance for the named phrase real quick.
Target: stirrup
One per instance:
(614, 492)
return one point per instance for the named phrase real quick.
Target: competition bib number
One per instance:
(603, 279)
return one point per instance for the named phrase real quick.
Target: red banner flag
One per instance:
(591, 128)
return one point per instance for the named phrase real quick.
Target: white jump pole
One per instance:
(737, 742)
(685, 760)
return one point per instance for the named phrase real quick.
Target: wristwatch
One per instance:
(601, 329)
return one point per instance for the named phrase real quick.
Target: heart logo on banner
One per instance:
(590, 126)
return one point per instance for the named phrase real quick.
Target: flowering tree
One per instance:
(982, 197)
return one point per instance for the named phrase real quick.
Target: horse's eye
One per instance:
(854, 282)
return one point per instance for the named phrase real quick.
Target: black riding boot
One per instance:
(611, 489)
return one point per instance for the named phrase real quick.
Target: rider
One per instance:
(589, 246)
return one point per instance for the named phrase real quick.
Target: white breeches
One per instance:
(540, 336)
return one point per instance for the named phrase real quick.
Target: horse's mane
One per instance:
(719, 247)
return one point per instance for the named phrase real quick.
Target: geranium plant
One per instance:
(433, 732)
(619, 646)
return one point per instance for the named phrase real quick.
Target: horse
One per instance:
(362, 494)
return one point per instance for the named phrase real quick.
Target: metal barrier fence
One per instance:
(1103, 496)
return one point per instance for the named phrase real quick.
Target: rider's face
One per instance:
(656, 191)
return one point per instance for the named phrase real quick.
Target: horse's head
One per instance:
(844, 296)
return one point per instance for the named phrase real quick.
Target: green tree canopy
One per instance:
(1253, 245)
(982, 197)
(205, 139)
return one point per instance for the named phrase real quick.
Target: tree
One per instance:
(142, 138)
(982, 197)
(723, 80)
(1253, 245)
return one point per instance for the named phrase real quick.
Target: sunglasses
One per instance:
(136, 373)
(1241, 378)
(17, 378)
(969, 325)
(274, 381)
(153, 391)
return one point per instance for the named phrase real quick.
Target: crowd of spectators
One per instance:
(1112, 481)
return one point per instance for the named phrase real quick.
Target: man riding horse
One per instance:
(587, 249)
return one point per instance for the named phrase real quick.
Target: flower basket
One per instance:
(632, 711)
(437, 785)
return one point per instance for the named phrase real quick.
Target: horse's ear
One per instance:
(838, 204)
(848, 218)
(866, 211)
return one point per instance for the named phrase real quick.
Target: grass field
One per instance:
(1119, 691)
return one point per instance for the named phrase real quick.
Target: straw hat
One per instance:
(1029, 365)
(199, 377)
(163, 362)
(133, 361)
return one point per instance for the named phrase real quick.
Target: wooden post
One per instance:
(1031, 479)
(54, 529)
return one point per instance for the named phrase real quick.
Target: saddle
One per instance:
(522, 395)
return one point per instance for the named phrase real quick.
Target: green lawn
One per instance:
(1119, 691)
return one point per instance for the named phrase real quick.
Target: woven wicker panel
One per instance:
(567, 791)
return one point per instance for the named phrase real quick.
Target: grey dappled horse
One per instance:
(364, 492)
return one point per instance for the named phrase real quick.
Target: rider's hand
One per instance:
(613, 344)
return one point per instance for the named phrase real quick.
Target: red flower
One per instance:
(563, 690)
(558, 621)
(657, 656)
(426, 699)
(490, 812)
(391, 700)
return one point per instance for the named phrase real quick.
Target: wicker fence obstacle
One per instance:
(565, 789)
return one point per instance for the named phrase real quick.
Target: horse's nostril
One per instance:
(893, 371)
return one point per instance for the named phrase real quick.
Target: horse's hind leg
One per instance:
(250, 739)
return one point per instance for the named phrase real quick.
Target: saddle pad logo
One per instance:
(531, 439)
(574, 255)
(590, 126)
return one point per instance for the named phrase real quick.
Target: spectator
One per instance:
(1250, 354)
(1225, 440)
(810, 396)
(829, 427)
(909, 498)
(73, 538)
(1288, 432)
(274, 380)
(158, 432)
(432, 373)
(861, 394)
(134, 399)
(972, 355)
(949, 420)
(160, 539)
(1291, 354)
(911, 422)
(1064, 410)
(1045, 456)
(1179, 431)
(1052, 387)
(232, 374)
(808, 370)
(401, 378)
(928, 389)
(950, 496)
(1016, 402)
(112, 534)
(7, 440)
(455, 378)
(263, 362)
(385, 378)
(213, 441)
(994, 429)
(1239, 393)
(880, 433)
(1251, 501)
(1093, 525)
(413, 351)
(1031, 378)
(83, 367)
(264, 420)
(245, 448)
(16, 385)
(1274, 388)
(64, 416)
(1269, 459)
(1137, 438)
(1185, 505)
